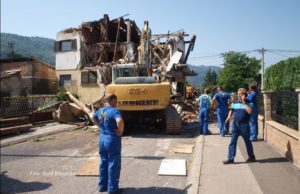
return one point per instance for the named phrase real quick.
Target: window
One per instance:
(65, 80)
(88, 77)
(65, 45)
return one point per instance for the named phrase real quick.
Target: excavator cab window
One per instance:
(125, 72)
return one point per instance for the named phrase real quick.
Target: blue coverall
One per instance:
(109, 149)
(253, 121)
(240, 127)
(222, 111)
(204, 105)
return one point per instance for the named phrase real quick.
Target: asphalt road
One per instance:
(48, 165)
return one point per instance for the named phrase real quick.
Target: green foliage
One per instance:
(210, 78)
(283, 75)
(239, 71)
(41, 48)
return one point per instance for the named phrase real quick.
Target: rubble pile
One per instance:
(187, 111)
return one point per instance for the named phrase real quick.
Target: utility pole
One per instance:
(262, 52)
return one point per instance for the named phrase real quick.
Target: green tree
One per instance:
(239, 71)
(210, 78)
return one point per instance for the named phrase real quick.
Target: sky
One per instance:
(220, 25)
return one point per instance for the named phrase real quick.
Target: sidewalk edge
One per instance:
(193, 179)
(38, 136)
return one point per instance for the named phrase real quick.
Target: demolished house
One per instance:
(85, 56)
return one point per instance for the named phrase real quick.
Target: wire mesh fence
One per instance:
(20, 105)
(260, 104)
(285, 108)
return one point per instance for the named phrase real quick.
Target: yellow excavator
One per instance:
(141, 94)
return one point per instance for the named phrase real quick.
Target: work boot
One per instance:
(228, 162)
(253, 159)
(102, 189)
(207, 133)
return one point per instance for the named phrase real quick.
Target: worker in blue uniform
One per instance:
(253, 122)
(240, 126)
(221, 101)
(111, 125)
(204, 106)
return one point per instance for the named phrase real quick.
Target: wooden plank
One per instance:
(183, 150)
(14, 129)
(90, 167)
(186, 146)
(173, 167)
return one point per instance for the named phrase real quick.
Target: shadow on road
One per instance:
(10, 185)
(149, 157)
(267, 160)
(46, 156)
(150, 190)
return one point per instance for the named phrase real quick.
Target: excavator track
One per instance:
(173, 120)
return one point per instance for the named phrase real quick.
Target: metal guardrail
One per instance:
(20, 105)
(285, 108)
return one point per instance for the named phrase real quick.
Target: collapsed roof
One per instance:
(107, 42)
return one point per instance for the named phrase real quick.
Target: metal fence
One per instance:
(285, 108)
(20, 105)
(260, 104)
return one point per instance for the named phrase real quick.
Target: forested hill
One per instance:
(24, 46)
(197, 81)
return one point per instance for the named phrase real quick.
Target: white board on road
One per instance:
(173, 167)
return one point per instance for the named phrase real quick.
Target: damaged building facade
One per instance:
(85, 55)
(27, 76)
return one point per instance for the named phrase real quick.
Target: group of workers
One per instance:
(221, 101)
(245, 120)
(110, 121)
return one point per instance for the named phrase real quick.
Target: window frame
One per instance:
(90, 79)
(61, 81)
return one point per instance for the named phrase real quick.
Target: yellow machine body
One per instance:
(141, 97)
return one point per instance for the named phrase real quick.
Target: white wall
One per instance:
(68, 59)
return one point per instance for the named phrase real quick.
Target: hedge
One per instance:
(283, 75)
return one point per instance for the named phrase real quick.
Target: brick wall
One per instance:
(285, 140)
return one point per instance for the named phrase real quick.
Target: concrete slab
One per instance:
(36, 132)
(173, 167)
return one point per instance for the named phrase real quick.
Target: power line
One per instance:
(287, 51)
(221, 54)
(274, 51)
(278, 54)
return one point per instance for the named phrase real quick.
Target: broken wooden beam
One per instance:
(81, 105)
